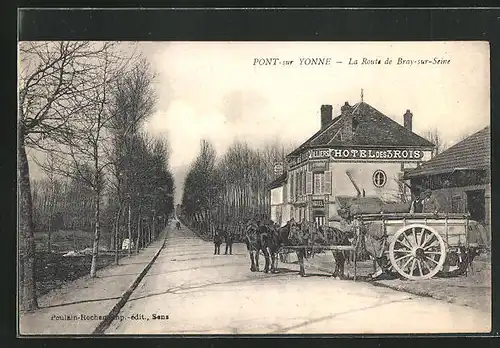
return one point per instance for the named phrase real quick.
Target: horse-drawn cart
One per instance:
(421, 245)
(417, 246)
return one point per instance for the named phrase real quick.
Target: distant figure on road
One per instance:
(229, 242)
(178, 225)
(217, 243)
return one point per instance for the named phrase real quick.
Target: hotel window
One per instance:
(318, 182)
(301, 178)
(379, 178)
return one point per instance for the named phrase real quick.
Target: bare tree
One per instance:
(435, 137)
(236, 188)
(52, 78)
(132, 103)
(83, 151)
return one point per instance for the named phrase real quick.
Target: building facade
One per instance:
(460, 177)
(360, 153)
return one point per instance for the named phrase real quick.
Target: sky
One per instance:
(213, 90)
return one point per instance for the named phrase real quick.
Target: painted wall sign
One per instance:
(310, 154)
(278, 168)
(372, 154)
(382, 154)
(318, 203)
(319, 153)
(318, 166)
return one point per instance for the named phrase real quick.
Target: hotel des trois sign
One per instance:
(365, 154)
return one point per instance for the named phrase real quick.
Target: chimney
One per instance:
(407, 120)
(326, 115)
(347, 129)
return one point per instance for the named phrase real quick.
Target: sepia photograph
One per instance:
(253, 187)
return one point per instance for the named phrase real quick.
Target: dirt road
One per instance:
(191, 291)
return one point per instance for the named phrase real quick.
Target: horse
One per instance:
(293, 234)
(334, 236)
(256, 237)
(299, 234)
(275, 238)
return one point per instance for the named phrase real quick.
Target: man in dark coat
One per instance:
(217, 243)
(417, 203)
(229, 237)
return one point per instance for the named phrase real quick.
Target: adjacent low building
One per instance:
(460, 177)
(359, 153)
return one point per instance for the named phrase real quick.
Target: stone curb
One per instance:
(103, 325)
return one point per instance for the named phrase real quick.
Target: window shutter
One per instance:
(295, 179)
(299, 183)
(328, 182)
(285, 192)
(309, 178)
(303, 183)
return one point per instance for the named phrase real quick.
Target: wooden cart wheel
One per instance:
(417, 252)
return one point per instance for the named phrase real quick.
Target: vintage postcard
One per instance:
(176, 188)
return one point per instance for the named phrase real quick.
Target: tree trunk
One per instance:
(97, 231)
(28, 286)
(138, 229)
(49, 233)
(154, 226)
(75, 246)
(138, 233)
(51, 214)
(129, 230)
(148, 235)
(117, 228)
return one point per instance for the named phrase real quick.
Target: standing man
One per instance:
(229, 242)
(430, 204)
(417, 203)
(217, 243)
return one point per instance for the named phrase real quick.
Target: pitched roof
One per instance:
(374, 128)
(471, 153)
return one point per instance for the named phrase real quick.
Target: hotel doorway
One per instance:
(319, 218)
